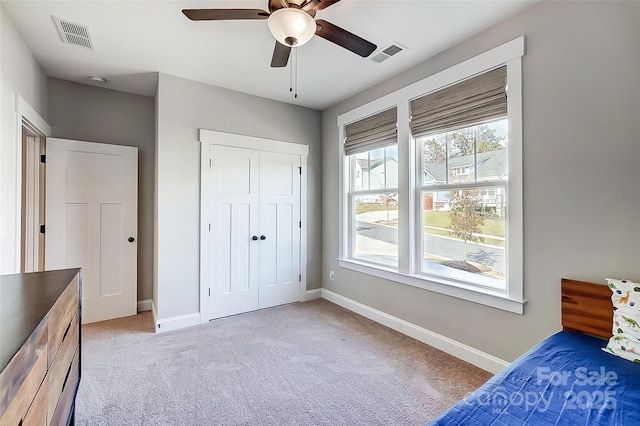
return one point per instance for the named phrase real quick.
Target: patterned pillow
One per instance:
(625, 342)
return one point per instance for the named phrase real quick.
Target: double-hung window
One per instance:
(432, 182)
(372, 147)
(461, 141)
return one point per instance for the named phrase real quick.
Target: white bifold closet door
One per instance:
(254, 237)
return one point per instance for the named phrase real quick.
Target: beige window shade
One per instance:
(478, 99)
(376, 131)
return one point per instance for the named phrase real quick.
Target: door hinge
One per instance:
(299, 278)
(300, 169)
(300, 224)
(209, 292)
(210, 162)
(43, 158)
(42, 229)
(209, 227)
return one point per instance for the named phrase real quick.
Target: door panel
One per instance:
(234, 175)
(91, 211)
(280, 224)
(111, 247)
(76, 237)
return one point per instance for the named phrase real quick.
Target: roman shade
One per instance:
(473, 101)
(373, 132)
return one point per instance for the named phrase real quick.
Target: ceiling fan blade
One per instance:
(344, 38)
(318, 4)
(224, 14)
(280, 56)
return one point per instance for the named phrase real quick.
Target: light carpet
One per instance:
(311, 363)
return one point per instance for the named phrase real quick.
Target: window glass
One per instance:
(376, 228)
(374, 201)
(464, 226)
(464, 235)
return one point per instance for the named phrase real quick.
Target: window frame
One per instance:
(511, 299)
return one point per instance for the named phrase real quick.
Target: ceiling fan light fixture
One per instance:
(291, 27)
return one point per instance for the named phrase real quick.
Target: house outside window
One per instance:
(439, 205)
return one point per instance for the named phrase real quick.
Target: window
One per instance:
(373, 189)
(432, 185)
(464, 211)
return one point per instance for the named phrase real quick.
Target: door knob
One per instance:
(262, 237)
(131, 239)
(254, 238)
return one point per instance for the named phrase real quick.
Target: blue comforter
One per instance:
(565, 380)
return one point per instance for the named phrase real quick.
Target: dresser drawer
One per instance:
(63, 409)
(59, 372)
(60, 318)
(37, 414)
(22, 377)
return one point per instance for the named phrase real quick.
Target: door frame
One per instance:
(33, 201)
(212, 137)
(25, 116)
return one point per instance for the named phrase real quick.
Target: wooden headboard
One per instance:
(587, 308)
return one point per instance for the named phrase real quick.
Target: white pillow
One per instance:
(625, 341)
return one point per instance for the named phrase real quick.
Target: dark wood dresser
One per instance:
(40, 320)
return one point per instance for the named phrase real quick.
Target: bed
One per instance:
(567, 379)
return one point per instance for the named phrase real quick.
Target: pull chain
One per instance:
(295, 80)
(293, 73)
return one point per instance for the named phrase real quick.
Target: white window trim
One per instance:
(512, 300)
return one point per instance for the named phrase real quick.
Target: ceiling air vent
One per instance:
(72, 33)
(386, 53)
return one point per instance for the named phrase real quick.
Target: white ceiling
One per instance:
(134, 39)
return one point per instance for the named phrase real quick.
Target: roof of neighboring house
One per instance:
(490, 164)
(372, 164)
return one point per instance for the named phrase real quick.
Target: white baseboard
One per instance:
(459, 350)
(144, 305)
(313, 294)
(174, 323)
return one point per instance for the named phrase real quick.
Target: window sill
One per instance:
(483, 296)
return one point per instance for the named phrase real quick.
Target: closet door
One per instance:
(233, 239)
(279, 228)
(251, 208)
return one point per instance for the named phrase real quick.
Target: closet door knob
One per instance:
(131, 239)
(254, 238)
(262, 237)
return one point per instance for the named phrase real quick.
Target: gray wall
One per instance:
(93, 114)
(184, 106)
(581, 154)
(20, 75)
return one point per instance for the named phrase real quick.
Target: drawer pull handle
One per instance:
(67, 331)
(66, 378)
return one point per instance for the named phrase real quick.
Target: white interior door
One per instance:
(251, 208)
(280, 227)
(91, 222)
(234, 199)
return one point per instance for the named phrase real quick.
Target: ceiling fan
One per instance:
(292, 24)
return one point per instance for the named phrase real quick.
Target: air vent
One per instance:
(72, 33)
(387, 52)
